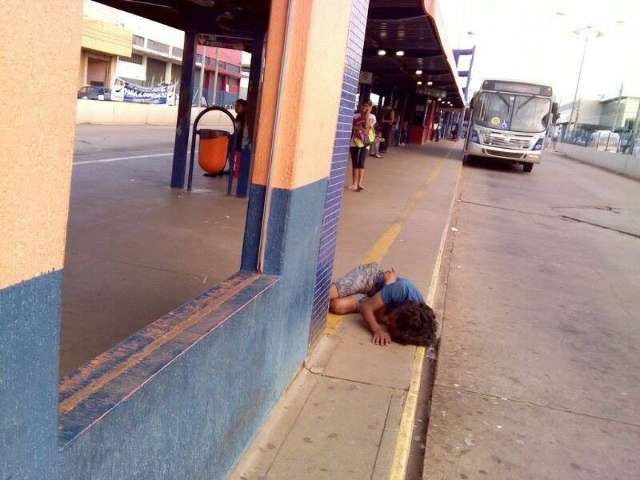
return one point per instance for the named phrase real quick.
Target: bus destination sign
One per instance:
(517, 87)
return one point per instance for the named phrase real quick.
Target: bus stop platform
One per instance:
(347, 413)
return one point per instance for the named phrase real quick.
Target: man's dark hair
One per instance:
(415, 324)
(367, 102)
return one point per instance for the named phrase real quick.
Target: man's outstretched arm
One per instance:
(368, 310)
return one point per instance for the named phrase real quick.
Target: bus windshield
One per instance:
(530, 114)
(521, 113)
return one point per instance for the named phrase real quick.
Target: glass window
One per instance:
(158, 46)
(493, 110)
(134, 58)
(519, 113)
(530, 114)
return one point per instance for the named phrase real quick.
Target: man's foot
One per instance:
(377, 155)
(354, 188)
(360, 188)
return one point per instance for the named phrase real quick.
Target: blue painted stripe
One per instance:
(253, 227)
(95, 405)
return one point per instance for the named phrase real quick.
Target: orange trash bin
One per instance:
(212, 155)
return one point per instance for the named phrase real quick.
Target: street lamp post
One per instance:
(587, 29)
(575, 95)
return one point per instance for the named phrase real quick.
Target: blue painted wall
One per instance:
(29, 340)
(213, 386)
(335, 185)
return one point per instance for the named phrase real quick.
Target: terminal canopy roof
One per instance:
(228, 23)
(409, 27)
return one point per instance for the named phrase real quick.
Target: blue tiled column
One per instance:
(333, 199)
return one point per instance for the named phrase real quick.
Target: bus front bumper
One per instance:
(489, 151)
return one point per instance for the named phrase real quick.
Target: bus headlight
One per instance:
(475, 138)
(538, 145)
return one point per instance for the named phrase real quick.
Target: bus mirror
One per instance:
(554, 108)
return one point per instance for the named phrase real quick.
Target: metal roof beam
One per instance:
(394, 13)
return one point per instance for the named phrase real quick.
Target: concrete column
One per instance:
(144, 68)
(201, 73)
(183, 125)
(37, 151)
(253, 89)
(167, 72)
(82, 71)
(111, 75)
(365, 92)
(215, 77)
(291, 167)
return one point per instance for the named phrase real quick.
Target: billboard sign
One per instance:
(124, 91)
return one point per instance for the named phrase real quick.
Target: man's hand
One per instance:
(380, 337)
(368, 309)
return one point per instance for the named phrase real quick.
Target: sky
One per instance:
(527, 40)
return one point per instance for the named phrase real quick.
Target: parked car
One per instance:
(605, 141)
(92, 92)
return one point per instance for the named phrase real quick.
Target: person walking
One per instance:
(362, 136)
(404, 133)
(388, 118)
(396, 128)
(240, 140)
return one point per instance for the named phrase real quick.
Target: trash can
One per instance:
(214, 145)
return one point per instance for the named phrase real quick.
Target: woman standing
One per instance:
(361, 138)
(388, 119)
(241, 123)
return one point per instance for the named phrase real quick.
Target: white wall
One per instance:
(628, 165)
(130, 70)
(125, 113)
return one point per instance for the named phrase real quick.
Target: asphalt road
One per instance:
(538, 374)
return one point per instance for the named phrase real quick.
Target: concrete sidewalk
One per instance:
(341, 416)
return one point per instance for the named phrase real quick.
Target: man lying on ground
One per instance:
(383, 298)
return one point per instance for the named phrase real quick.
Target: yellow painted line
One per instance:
(70, 403)
(403, 441)
(333, 321)
(380, 249)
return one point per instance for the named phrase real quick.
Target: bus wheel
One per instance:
(527, 167)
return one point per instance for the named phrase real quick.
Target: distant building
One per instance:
(119, 44)
(619, 114)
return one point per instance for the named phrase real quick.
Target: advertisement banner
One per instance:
(124, 91)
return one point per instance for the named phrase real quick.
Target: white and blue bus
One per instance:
(509, 121)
